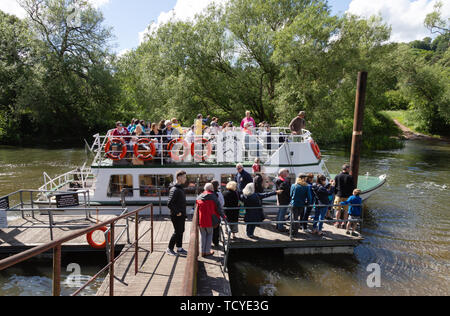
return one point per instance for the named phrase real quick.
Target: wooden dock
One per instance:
(28, 233)
(160, 274)
(334, 241)
(163, 275)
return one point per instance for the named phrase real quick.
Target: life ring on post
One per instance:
(316, 149)
(95, 245)
(142, 157)
(108, 149)
(205, 156)
(174, 154)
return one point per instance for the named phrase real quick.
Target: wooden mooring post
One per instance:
(358, 124)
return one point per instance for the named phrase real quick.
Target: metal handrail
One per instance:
(57, 245)
(255, 145)
(190, 272)
(227, 237)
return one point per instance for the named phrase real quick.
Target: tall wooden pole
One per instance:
(358, 124)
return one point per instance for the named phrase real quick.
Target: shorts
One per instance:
(353, 217)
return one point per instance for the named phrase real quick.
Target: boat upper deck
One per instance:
(274, 146)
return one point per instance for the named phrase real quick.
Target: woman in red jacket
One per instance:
(210, 212)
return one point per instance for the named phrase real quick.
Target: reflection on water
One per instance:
(407, 231)
(34, 277)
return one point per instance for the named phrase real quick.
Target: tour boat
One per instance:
(133, 171)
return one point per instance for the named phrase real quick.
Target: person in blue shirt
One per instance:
(301, 196)
(355, 212)
(322, 192)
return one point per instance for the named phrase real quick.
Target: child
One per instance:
(355, 212)
(257, 166)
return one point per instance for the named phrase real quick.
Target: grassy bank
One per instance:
(408, 119)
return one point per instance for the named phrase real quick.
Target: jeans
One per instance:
(305, 217)
(206, 239)
(297, 212)
(177, 237)
(251, 230)
(281, 217)
(320, 216)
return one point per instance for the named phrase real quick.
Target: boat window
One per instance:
(119, 182)
(225, 178)
(150, 185)
(196, 182)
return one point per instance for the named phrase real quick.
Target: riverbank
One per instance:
(407, 128)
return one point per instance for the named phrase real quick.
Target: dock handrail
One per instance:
(57, 245)
(191, 270)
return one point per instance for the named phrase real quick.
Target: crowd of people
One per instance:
(164, 131)
(247, 192)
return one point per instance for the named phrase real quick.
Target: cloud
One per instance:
(13, 7)
(184, 10)
(406, 17)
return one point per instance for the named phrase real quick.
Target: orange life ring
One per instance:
(175, 156)
(208, 150)
(108, 149)
(95, 245)
(316, 149)
(142, 157)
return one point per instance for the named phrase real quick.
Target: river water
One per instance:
(407, 230)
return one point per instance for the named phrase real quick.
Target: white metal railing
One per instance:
(210, 147)
(79, 176)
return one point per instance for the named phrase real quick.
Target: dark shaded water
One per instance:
(407, 230)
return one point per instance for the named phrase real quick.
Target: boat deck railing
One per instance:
(81, 178)
(179, 148)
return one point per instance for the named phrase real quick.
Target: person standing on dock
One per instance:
(177, 206)
(355, 212)
(301, 196)
(219, 195)
(283, 184)
(253, 207)
(344, 189)
(209, 212)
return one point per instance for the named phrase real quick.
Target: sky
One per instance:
(131, 18)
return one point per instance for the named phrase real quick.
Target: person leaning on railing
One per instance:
(298, 124)
(253, 206)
